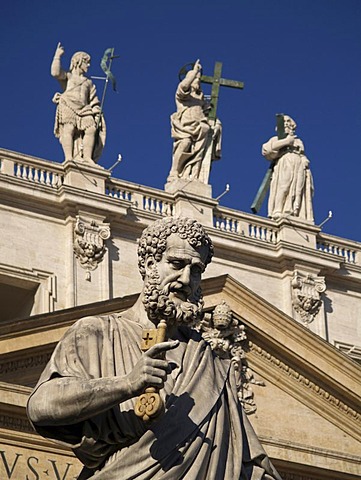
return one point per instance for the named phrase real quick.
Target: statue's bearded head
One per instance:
(173, 253)
(289, 124)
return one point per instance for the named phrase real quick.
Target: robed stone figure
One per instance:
(291, 188)
(192, 131)
(87, 394)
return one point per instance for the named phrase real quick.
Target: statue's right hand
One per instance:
(290, 139)
(59, 50)
(150, 370)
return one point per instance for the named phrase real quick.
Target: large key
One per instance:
(149, 405)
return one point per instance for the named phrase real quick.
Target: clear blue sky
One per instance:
(300, 57)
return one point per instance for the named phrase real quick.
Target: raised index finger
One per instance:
(161, 347)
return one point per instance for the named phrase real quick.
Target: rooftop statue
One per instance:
(78, 122)
(196, 130)
(194, 427)
(191, 130)
(291, 188)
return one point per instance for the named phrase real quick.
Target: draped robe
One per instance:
(291, 187)
(203, 433)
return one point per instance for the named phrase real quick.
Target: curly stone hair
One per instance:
(154, 238)
(77, 58)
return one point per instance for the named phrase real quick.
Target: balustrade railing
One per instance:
(262, 229)
(338, 247)
(38, 174)
(226, 223)
(118, 192)
(147, 199)
(157, 205)
(51, 174)
(33, 170)
(245, 225)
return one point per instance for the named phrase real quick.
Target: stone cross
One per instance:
(217, 81)
(149, 338)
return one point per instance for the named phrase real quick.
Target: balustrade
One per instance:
(348, 253)
(140, 198)
(118, 192)
(243, 226)
(38, 174)
(156, 205)
(51, 174)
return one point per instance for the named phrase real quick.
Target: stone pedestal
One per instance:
(85, 176)
(7, 166)
(189, 186)
(192, 199)
(298, 232)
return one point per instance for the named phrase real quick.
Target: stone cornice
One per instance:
(232, 246)
(63, 318)
(328, 461)
(309, 389)
(291, 241)
(291, 445)
(68, 200)
(29, 439)
(267, 321)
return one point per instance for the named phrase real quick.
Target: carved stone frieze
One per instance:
(25, 363)
(227, 338)
(89, 247)
(15, 423)
(295, 476)
(306, 295)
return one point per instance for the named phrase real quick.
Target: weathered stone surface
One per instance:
(196, 391)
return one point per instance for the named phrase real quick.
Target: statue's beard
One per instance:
(159, 304)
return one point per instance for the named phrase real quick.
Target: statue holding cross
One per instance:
(196, 130)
